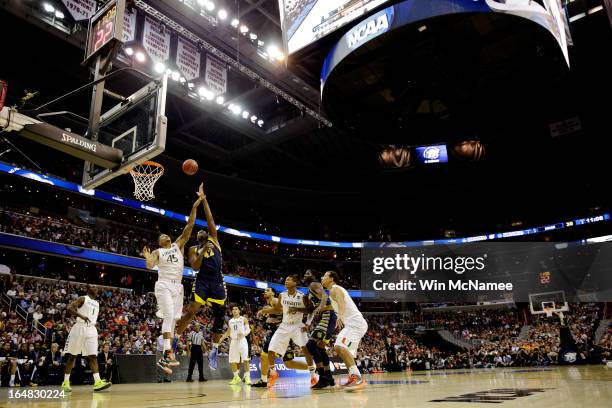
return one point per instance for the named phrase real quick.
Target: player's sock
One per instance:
(264, 377)
(237, 373)
(66, 377)
(12, 381)
(354, 370)
(312, 369)
(96, 376)
(167, 344)
(212, 357)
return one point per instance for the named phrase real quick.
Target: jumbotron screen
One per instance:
(306, 21)
(432, 154)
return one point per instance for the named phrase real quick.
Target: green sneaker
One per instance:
(101, 385)
(235, 380)
(66, 386)
(247, 380)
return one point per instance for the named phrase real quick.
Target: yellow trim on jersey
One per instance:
(208, 301)
(217, 301)
(215, 243)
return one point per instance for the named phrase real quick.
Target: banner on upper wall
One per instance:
(188, 59)
(156, 40)
(216, 75)
(80, 9)
(129, 26)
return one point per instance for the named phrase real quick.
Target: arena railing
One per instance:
(7, 300)
(21, 312)
(74, 283)
(39, 327)
(139, 206)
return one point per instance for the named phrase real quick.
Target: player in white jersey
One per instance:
(238, 329)
(292, 327)
(355, 327)
(83, 338)
(169, 287)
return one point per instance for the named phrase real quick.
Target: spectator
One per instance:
(106, 362)
(52, 368)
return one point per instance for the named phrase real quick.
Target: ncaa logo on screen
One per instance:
(376, 25)
(431, 153)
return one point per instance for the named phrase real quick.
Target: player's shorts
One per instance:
(169, 295)
(326, 327)
(286, 333)
(270, 330)
(289, 354)
(209, 290)
(238, 350)
(350, 336)
(83, 340)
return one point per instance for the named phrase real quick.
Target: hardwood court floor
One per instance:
(558, 387)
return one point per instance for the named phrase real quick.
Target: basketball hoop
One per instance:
(145, 176)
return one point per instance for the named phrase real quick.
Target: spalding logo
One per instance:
(431, 153)
(368, 29)
(75, 141)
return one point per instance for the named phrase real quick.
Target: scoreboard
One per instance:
(105, 29)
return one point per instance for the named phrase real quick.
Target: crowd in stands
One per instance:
(605, 345)
(127, 324)
(110, 236)
(491, 325)
(498, 343)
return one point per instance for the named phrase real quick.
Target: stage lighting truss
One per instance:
(230, 62)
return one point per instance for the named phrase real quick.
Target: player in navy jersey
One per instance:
(209, 287)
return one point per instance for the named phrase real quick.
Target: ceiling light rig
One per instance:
(231, 62)
(199, 92)
(208, 9)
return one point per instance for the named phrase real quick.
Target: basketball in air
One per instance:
(190, 167)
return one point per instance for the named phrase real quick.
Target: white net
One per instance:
(145, 176)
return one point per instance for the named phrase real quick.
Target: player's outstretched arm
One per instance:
(275, 308)
(73, 308)
(212, 227)
(151, 258)
(184, 237)
(308, 308)
(225, 335)
(318, 289)
(195, 259)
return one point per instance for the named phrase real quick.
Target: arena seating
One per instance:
(127, 322)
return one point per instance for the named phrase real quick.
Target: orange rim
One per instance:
(148, 163)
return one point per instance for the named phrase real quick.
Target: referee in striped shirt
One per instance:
(194, 348)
